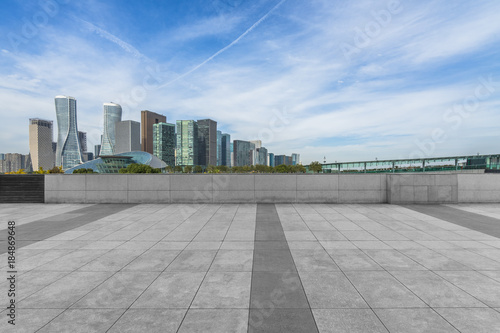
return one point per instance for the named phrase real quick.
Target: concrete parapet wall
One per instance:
(273, 188)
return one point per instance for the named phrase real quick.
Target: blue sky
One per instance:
(349, 80)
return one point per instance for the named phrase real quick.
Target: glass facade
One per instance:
(226, 150)
(243, 152)
(68, 153)
(112, 115)
(164, 142)
(219, 148)
(187, 143)
(207, 146)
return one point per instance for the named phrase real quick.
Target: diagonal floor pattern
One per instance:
(255, 268)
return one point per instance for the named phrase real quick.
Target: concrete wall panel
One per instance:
(199, 182)
(317, 182)
(65, 182)
(118, 182)
(149, 182)
(275, 182)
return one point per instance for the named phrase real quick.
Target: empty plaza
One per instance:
(253, 267)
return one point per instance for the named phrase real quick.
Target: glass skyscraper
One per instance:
(207, 138)
(226, 149)
(187, 143)
(68, 152)
(112, 115)
(219, 148)
(243, 152)
(164, 142)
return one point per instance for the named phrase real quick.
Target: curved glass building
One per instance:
(112, 164)
(112, 115)
(68, 152)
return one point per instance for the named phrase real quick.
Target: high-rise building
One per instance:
(226, 150)
(14, 162)
(40, 142)
(164, 142)
(82, 136)
(127, 136)
(187, 143)
(279, 160)
(243, 152)
(112, 115)
(207, 138)
(261, 156)
(97, 151)
(219, 148)
(149, 118)
(296, 159)
(270, 158)
(68, 152)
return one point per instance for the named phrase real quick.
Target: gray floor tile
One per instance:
(414, 321)
(436, 291)
(381, 290)
(83, 320)
(281, 320)
(347, 321)
(277, 290)
(30, 320)
(152, 320)
(192, 261)
(152, 261)
(472, 320)
(229, 290)
(329, 290)
(393, 260)
(215, 321)
(171, 290)
(353, 260)
(233, 261)
(272, 260)
(119, 291)
(313, 260)
(433, 260)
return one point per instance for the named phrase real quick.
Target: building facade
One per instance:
(148, 119)
(261, 156)
(164, 142)
(226, 150)
(270, 158)
(14, 162)
(128, 136)
(296, 159)
(187, 143)
(112, 115)
(68, 153)
(219, 148)
(243, 152)
(40, 142)
(207, 138)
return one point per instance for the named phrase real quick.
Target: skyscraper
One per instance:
(68, 152)
(149, 118)
(226, 150)
(164, 142)
(243, 152)
(187, 143)
(127, 136)
(296, 159)
(219, 148)
(207, 136)
(40, 141)
(97, 151)
(261, 156)
(271, 159)
(82, 136)
(112, 115)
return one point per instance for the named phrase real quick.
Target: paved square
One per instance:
(253, 268)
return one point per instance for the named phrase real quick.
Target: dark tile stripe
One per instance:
(39, 230)
(477, 222)
(278, 302)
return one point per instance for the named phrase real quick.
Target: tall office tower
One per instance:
(270, 158)
(112, 115)
(68, 152)
(219, 148)
(164, 142)
(87, 156)
(279, 160)
(14, 162)
(40, 141)
(97, 151)
(82, 136)
(226, 150)
(128, 136)
(243, 152)
(2, 160)
(207, 138)
(149, 118)
(296, 159)
(288, 160)
(187, 143)
(261, 156)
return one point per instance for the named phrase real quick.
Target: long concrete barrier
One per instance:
(273, 188)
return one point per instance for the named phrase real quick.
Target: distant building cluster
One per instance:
(185, 143)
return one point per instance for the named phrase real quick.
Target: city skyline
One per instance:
(349, 81)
